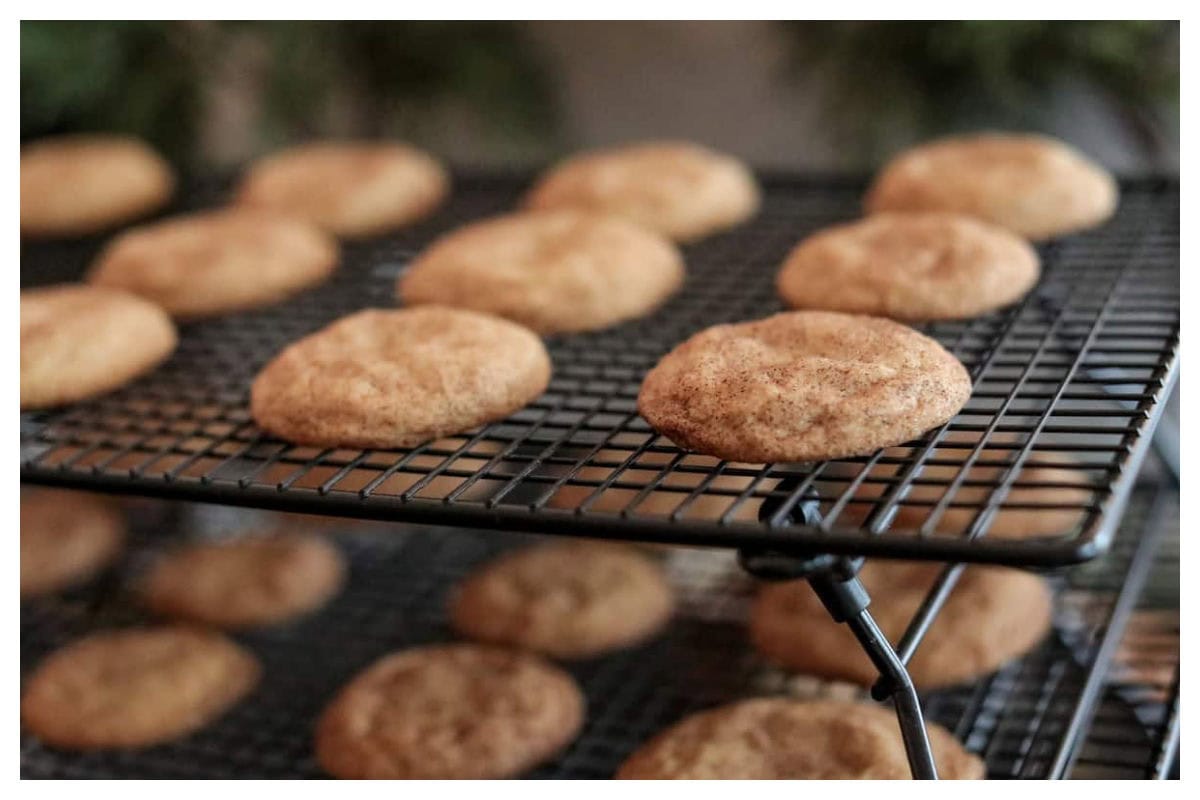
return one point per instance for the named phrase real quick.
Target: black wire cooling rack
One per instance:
(1074, 371)
(1025, 721)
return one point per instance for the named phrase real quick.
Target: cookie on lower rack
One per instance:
(679, 189)
(992, 616)
(909, 266)
(802, 386)
(567, 600)
(82, 341)
(449, 711)
(1033, 185)
(215, 262)
(781, 739)
(66, 538)
(135, 688)
(554, 271)
(81, 184)
(391, 379)
(1051, 480)
(256, 580)
(348, 188)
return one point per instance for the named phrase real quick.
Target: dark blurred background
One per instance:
(813, 95)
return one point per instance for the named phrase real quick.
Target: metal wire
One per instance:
(399, 580)
(1076, 369)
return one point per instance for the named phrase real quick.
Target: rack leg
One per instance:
(835, 580)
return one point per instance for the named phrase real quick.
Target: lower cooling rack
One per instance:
(1018, 720)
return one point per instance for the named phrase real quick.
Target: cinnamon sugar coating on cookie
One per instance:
(389, 379)
(680, 189)
(349, 188)
(217, 261)
(1033, 185)
(66, 538)
(554, 271)
(802, 386)
(81, 184)
(993, 615)
(256, 580)
(81, 341)
(909, 266)
(449, 711)
(135, 688)
(565, 599)
(782, 739)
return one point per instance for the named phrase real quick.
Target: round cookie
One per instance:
(909, 266)
(351, 189)
(247, 582)
(82, 341)
(449, 711)
(75, 185)
(679, 189)
(389, 379)
(217, 261)
(567, 600)
(781, 739)
(554, 271)
(1036, 485)
(66, 538)
(1033, 185)
(135, 688)
(992, 616)
(802, 386)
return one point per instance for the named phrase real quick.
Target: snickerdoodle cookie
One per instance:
(81, 341)
(388, 379)
(449, 711)
(909, 266)
(993, 615)
(348, 188)
(135, 688)
(75, 185)
(1033, 185)
(802, 386)
(781, 739)
(554, 271)
(217, 261)
(679, 189)
(257, 580)
(66, 538)
(566, 599)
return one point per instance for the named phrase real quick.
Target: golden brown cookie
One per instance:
(1040, 484)
(135, 688)
(781, 739)
(74, 185)
(81, 341)
(387, 379)
(1033, 185)
(449, 711)
(679, 189)
(217, 261)
(909, 266)
(257, 580)
(565, 599)
(351, 189)
(554, 271)
(802, 386)
(66, 538)
(993, 615)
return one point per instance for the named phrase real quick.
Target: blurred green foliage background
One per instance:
(169, 81)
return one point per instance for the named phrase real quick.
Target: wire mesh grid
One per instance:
(1017, 719)
(1135, 732)
(1071, 375)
